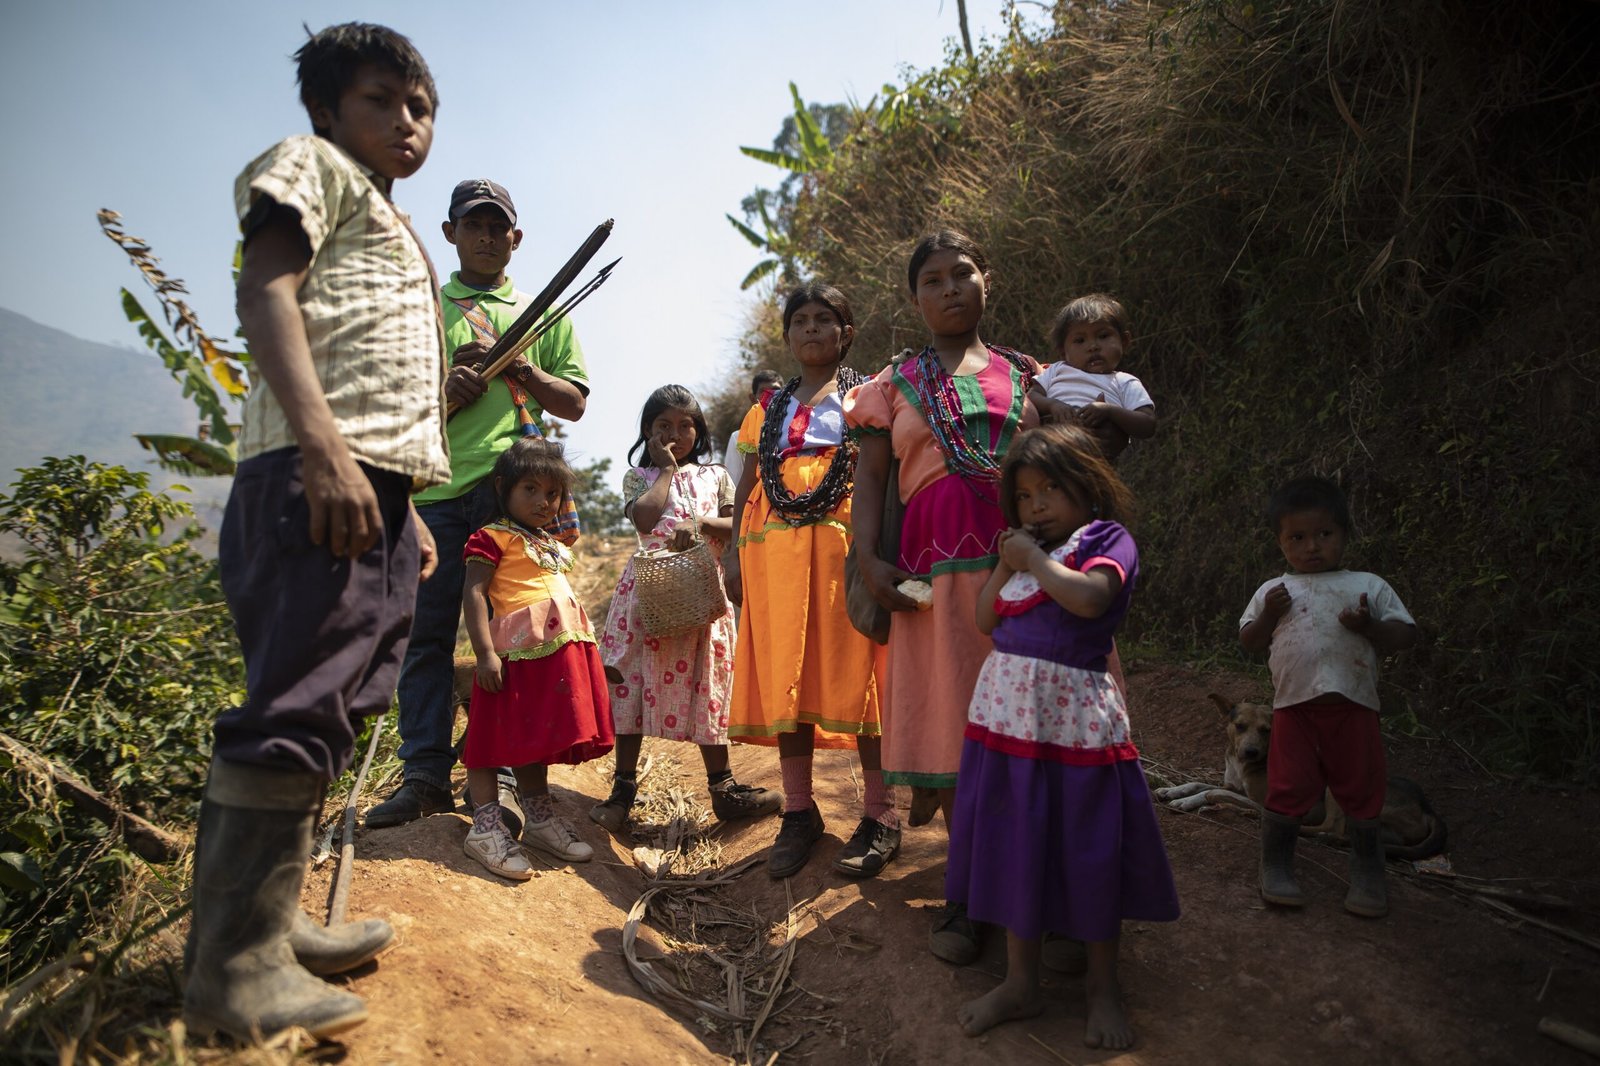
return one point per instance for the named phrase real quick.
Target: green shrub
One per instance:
(116, 652)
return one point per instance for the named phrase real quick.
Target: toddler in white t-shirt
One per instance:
(1089, 338)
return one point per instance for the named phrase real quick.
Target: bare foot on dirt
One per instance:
(1005, 1004)
(1107, 1025)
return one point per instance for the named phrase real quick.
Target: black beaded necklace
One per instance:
(835, 485)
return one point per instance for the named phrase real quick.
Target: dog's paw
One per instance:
(1176, 792)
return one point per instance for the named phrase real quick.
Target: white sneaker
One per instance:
(555, 836)
(498, 851)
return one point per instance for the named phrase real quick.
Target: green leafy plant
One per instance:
(209, 374)
(116, 652)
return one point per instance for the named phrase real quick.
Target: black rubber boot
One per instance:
(1367, 896)
(326, 950)
(1279, 834)
(252, 846)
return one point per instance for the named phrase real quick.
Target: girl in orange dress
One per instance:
(539, 695)
(805, 678)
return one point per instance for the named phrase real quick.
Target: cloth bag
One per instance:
(870, 617)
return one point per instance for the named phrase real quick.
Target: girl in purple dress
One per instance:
(1053, 829)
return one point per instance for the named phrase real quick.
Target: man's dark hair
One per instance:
(762, 380)
(329, 59)
(1308, 494)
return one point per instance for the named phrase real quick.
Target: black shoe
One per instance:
(410, 801)
(869, 849)
(613, 813)
(800, 830)
(731, 800)
(955, 938)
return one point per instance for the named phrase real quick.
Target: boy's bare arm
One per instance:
(1256, 635)
(344, 508)
(1140, 423)
(558, 396)
(1387, 637)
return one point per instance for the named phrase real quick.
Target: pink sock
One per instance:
(796, 782)
(877, 802)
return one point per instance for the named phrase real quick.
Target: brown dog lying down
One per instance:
(1411, 828)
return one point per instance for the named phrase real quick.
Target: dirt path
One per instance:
(490, 971)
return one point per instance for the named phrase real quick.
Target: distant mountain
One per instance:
(63, 395)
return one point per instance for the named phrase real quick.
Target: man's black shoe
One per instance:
(410, 801)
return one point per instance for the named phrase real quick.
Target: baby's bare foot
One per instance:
(1004, 1004)
(1107, 1026)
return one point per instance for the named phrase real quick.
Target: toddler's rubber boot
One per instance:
(329, 949)
(253, 842)
(1367, 896)
(1279, 834)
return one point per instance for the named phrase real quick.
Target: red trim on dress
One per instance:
(1010, 608)
(1033, 749)
(1104, 560)
(797, 430)
(482, 545)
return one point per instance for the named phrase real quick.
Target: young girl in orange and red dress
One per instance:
(676, 686)
(806, 678)
(1054, 831)
(539, 695)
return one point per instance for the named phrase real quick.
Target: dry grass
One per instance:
(1357, 241)
(722, 963)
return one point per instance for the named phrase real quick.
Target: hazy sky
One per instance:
(633, 110)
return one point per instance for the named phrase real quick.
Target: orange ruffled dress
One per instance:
(554, 706)
(799, 659)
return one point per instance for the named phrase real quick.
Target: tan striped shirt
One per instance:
(370, 310)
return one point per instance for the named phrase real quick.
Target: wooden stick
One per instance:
(143, 838)
(1570, 1035)
(347, 854)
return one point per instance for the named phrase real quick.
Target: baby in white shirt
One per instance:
(1089, 338)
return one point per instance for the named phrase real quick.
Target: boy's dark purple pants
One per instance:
(322, 637)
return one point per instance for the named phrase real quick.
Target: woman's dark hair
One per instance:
(329, 59)
(1085, 311)
(1070, 457)
(827, 296)
(529, 457)
(663, 399)
(1308, 494)
(944, 240)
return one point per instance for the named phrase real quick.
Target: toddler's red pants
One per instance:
(1333, 746)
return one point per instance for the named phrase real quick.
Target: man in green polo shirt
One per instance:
(479, 304)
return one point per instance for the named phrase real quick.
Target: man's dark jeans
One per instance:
(427, 699)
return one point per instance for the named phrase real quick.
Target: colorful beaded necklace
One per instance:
(835, 485)
(935, 390)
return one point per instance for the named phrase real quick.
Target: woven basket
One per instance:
(678, 590)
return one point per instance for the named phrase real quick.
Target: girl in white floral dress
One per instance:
(675, 687)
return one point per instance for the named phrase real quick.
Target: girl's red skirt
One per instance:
(556, 709)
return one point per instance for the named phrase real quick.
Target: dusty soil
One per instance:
(489, 970)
